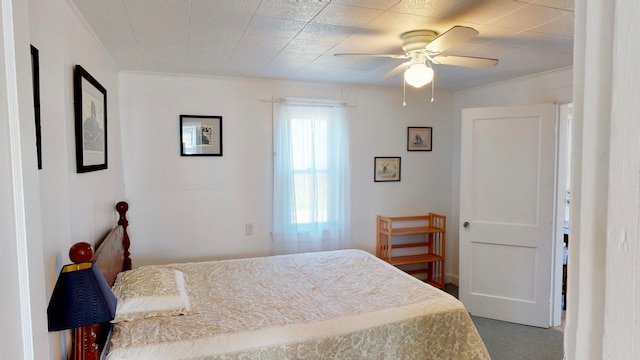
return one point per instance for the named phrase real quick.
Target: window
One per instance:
(311, 197)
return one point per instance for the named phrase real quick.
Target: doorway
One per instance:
(563, 200)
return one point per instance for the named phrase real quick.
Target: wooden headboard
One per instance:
(112, 254)
(111, 257)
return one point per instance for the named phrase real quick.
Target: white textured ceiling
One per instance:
(296, 40)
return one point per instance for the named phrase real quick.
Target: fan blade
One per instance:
(391, 56)
(397, 70)
(450, 38)
(465, 61)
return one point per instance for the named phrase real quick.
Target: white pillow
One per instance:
(150, 291)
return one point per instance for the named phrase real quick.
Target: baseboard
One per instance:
(451, 279)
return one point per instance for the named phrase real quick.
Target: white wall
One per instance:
(23, 334)
(603, 316)
(184, 208)
(74, 207)
(622, 285)
(550, 87)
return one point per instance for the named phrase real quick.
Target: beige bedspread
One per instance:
(328, 305)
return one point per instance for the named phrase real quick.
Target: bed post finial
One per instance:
(121, 208)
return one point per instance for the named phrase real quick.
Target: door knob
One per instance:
(466, 224)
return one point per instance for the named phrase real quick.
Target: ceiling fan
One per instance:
(424, 47)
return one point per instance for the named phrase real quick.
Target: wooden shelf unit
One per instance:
(428, 249)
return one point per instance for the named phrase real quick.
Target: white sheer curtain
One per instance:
(312, 181)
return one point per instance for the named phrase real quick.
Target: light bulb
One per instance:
(418, 75)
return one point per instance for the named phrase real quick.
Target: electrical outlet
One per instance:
(248, 229)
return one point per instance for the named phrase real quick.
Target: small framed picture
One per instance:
(90, 101)
(386, 169)
(419, 139)
(200, 135)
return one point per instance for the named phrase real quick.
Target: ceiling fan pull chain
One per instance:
(433, 80)
(404, 93)
(432, 91)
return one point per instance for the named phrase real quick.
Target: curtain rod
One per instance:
(310, 101)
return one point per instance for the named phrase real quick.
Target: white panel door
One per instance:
(506, 212)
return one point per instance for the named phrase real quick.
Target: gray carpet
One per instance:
(508, 341)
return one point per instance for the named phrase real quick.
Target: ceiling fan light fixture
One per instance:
(418, 75)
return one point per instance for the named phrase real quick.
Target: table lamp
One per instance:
(81, 297)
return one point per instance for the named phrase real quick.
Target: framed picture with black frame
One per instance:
(90, 104)
(35, 78)
(419, 138)
(200, 135)
(386, 169)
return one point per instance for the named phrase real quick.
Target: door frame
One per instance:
(561, 174)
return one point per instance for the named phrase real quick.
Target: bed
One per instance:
(344, 304)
